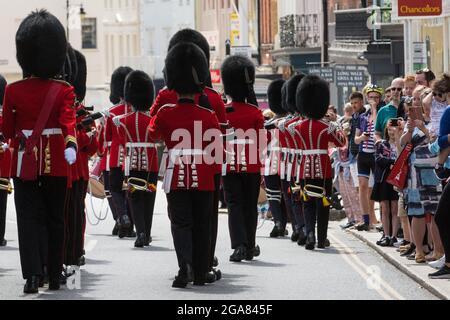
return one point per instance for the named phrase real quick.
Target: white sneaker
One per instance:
(438, 264)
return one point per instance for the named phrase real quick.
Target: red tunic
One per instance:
(5, 156)
(245, 117)
(315, 136)
(272, 158)
(183, 115)
(167, 96)
(117, 149)
(87, 147)
(22, 105)
(141, 149)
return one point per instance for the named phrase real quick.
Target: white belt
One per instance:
(314, 152)
(242, 141)
(186, 152)
(140, 145)
(46, 132)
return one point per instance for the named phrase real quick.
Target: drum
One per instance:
(96, 187)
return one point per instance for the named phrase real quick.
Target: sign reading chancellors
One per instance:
(419, 8)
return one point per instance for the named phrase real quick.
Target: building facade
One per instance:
(160, 20)
(268, 25)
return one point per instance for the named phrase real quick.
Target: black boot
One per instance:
(310, 241)
(115, 230)
(239, 254)
(294, 236)
(140, 241)
(275, 232)
(3, 243)
(148, 240)
(183, 278)
(323, 244)
(55, 283)
(124, 227)
(32, 285)
(81, 261)
(252, 253)
(301, 237)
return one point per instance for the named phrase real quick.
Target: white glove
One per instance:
(71, 155)
(4, 147)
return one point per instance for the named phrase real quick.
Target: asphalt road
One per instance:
(349, 270)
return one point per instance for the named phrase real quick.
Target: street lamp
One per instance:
(82, 15)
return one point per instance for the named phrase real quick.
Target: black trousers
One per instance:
(315, 211)
(190, 213)
(293, 206)
(274, 195)
(442, 218)
(242, 192)
(40, 221)
(3, 203)
(116, 179)
(142, 203)
(214, 221)
(112, 206)
(75, 222)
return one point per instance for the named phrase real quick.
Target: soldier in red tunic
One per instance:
(115, 164)
(272, 160)
(5, 169)
(141, 160)
(210, 99)
(39, 117)
(313, 99)
(105, 138)
(189, 179)
(243, 173)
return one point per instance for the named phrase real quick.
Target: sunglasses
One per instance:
(436, 94)
(397, 89)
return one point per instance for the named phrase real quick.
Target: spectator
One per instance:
(390, 111)
(357, 103)
(365, 138)
(332, 114)
(383, 192)
(422, 191)
(424, 77)
(387, 96)
(410, 85)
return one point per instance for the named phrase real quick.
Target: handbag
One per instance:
(28, 151)
(399, 173)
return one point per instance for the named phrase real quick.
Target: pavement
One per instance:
(115, 270)
(417, 272)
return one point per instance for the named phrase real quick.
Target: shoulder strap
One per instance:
(47, 107)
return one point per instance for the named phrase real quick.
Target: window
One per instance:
(89, 33)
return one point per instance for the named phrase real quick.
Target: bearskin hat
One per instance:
(118, 84)
(238, 76)
(2, 88)
(190, 35)
(186, 69)
(291, 92)
(284, 98)
(275, 97)
(79, 83)
(70, 69)
(41, 45)
(313, 97)
(139, 90)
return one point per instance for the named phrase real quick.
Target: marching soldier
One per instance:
(5, 169)
(116, 158)
(141, 161)
(105, 139)
(39, 117)
(87, 147)
(243, 171)
(313, 99)
(209, 98)
(189, 180)
(272, 160)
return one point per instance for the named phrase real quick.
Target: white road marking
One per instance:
(385, 290)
